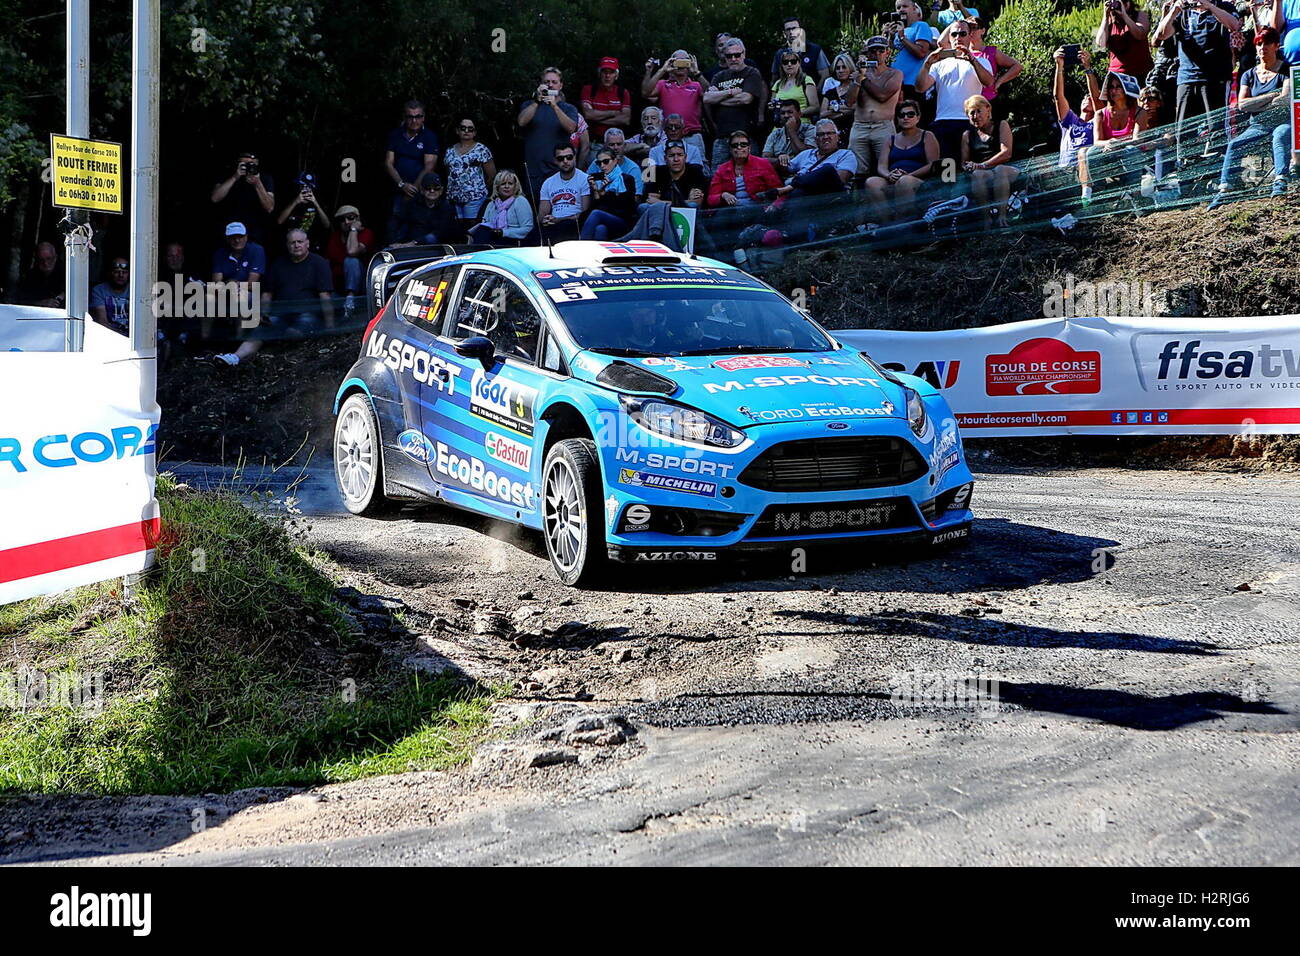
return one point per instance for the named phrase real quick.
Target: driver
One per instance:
(653, 331)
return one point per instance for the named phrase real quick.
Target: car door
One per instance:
(486, 430)
(413, 352)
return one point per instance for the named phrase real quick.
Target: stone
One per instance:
(549, 757)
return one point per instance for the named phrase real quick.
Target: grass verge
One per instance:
(231, 666)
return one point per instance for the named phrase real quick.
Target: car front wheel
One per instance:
(358, 462)
(572, 513)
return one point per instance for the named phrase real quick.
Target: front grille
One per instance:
(835, 464)
(834, 517)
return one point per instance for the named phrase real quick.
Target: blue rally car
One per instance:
(638, 405)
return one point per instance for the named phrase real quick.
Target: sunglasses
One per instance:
(908, 114)
(605, 162)
(734, 56)
(415, 116)
(740, 146)
(788, 62)
(960, 33)
(118, 268)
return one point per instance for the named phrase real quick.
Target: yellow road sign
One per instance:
(87, 173)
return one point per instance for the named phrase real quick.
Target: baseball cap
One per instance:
(877, 42)
(236, 229)
(347, 211)
(608, 63)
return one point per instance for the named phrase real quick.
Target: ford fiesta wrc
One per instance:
(638, 405)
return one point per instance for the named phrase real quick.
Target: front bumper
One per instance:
(953, 533)
(668, 509)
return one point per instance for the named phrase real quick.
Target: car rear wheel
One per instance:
(572, 513)
(358, 462)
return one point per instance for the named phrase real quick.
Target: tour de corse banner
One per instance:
(1100, 376)
(76, 462)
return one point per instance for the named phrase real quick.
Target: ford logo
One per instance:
(838, 426)
(415, 445)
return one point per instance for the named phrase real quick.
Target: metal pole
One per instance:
(144, 174)
(77, 285)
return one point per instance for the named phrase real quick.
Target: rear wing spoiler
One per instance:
(390, 266)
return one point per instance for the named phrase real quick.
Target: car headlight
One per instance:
(916, 418)
(681, 423)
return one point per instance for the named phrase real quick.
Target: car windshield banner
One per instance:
(77, 439)
(1107, 376)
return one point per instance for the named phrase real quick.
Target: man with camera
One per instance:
(615, 140)
(911, 40)
(247, 196)
(1203, 29)
(546, 121)
(880, 88)
(956, 75)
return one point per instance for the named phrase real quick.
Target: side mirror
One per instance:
(477, 347)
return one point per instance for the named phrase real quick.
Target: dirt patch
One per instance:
(277, 406)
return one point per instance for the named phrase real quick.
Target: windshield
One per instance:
(618, 311)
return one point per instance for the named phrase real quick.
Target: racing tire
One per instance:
(572, 513)
(358, 459)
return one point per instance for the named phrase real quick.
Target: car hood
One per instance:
(751, 389)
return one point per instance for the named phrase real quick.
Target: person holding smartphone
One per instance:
(957, 75)
(911, 40)
(305, 212)
(1076, 128)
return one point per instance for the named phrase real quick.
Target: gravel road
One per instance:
(1107, 675)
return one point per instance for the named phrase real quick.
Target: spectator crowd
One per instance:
(814, 140)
